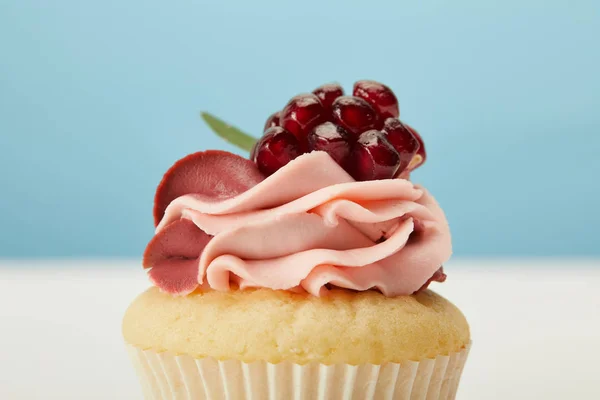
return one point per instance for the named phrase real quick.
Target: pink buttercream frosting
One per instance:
(308, 227)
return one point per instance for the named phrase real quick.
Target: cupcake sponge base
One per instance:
(274, 326)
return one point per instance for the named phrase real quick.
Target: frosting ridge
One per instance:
(306, 227)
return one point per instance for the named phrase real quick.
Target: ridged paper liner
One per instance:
(166, 376)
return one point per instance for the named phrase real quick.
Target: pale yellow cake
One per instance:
(343, 327)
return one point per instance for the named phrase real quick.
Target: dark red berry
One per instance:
(332, 139)
(301, 114)
(273, 120)
(373, 157)
(328, 93)
(379, 96)
(354, 114)
(403, 140)
(421, 151)
(276, 148)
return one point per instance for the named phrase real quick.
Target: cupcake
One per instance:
(302, 272)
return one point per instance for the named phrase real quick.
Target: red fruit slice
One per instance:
(181, 239)
(173, 254)
(212, 173)
(176, 277)
(379, 96)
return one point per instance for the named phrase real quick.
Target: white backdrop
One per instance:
(535, 328)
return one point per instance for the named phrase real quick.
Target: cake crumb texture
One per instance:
(274, 326)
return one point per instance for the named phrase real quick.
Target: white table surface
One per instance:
(535, 328)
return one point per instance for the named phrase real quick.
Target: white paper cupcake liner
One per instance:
(166, 376)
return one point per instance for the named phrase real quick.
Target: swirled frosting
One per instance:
(307, 227)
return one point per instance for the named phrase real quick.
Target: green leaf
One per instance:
(230, 133)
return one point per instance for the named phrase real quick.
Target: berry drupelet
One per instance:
(362, 132)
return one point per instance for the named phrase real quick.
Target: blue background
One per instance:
(98, 99)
